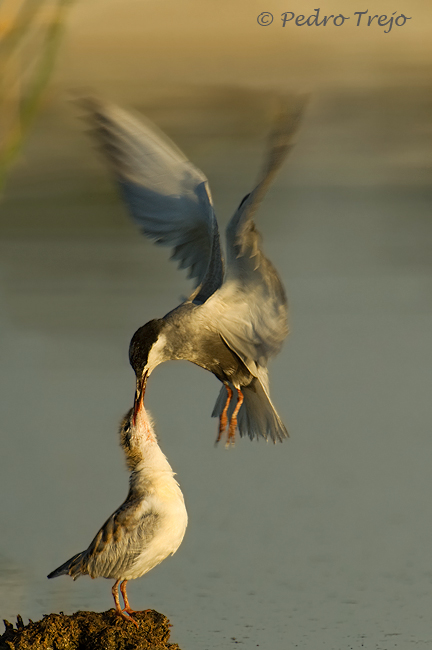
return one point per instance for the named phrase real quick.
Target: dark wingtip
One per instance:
(245, 198)
(58, 572)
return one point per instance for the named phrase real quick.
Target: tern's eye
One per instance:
(127, 427)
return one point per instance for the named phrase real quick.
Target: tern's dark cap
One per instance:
(142, 342)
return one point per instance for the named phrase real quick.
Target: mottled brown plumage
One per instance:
(147, 527)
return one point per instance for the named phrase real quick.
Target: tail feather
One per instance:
(72, 567)
(257, 416)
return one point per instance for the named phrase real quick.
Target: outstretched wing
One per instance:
(250, 309)
(168, 198)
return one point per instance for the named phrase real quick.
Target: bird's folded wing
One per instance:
(250, 309)
(168, 198)
(252, 319)
(121, 540)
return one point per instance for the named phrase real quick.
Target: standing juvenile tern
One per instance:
(147, 527)
(234, 320)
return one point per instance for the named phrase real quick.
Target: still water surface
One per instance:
(323, 541)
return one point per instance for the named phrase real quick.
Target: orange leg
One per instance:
(119, 610)
(223, 421)
(127, 607)
(233, 421)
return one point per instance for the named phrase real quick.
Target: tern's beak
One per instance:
(139, 396)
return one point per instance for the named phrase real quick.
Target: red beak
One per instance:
(139, 397)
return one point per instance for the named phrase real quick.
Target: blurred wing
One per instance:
(250, 309)
(168, 198)
(120, 541)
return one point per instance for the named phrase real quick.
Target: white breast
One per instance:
(168, 503)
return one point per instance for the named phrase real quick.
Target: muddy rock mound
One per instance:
(90, 631)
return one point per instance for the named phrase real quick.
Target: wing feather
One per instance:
(120, 541)
(250, 309)
(168, 198)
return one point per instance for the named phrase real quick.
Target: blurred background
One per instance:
(323, 541)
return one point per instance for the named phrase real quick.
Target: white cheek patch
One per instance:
(156, 354)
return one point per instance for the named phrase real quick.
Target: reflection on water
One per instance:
(323, 541)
